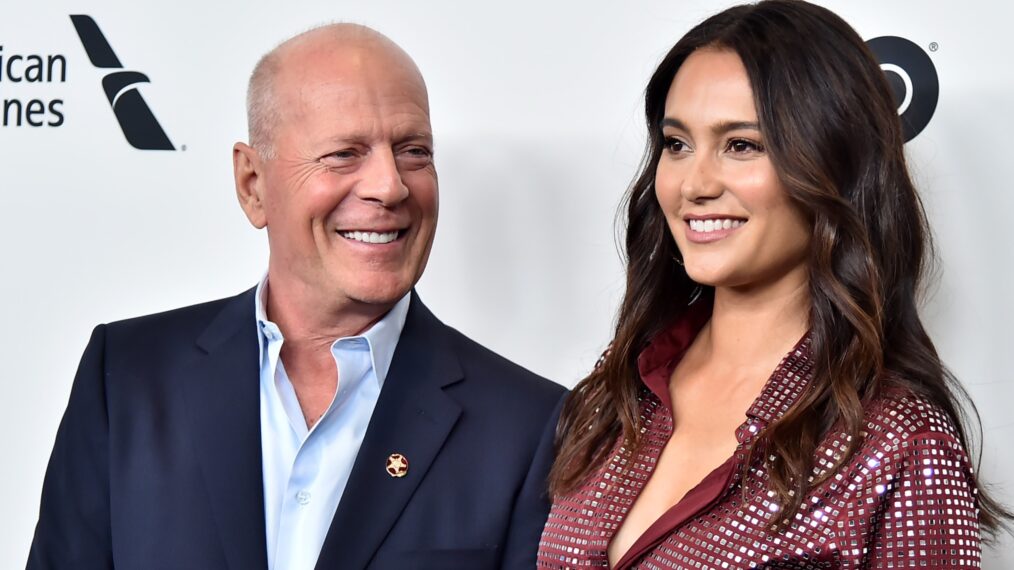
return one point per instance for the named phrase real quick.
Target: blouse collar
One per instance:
(782, 390)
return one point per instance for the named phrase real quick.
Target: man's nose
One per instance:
(701, 180)
(381, 180)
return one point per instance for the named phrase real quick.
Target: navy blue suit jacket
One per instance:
(157, 462)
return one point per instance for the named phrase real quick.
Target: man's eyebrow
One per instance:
(717, 129)
(364, 138)
(427, 136)
(348, 138)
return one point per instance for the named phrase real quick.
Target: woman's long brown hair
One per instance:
(833, 133)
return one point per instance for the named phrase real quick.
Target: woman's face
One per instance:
(725, 205)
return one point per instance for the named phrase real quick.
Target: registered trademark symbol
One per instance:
(183, 148)
(934, 46)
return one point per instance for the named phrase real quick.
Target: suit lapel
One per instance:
(222, 396)
(413, 417)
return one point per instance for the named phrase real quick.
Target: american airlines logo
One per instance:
(138, 123)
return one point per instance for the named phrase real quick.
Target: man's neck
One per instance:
(307, 318)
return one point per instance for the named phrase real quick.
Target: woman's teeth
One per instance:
(715, 225)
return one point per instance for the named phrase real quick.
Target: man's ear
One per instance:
(247, 169)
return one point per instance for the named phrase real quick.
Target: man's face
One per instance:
(350, 196)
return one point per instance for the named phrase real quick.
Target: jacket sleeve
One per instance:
(922, 508)
(531, 509)
(74, 522)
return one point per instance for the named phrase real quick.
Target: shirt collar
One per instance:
(657, 361)
(781, 391)
(786, 385)
(382, 337)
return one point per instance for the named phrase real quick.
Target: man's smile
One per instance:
(371, 237)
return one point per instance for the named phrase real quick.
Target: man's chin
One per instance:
(379, 294)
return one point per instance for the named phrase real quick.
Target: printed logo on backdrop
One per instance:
(23, 73)
(912, 77)
(137, 121)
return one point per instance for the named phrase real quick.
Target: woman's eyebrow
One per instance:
(719, 128)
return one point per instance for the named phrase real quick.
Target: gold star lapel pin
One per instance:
(397, 465)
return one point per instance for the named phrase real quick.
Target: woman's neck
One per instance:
(750, 325)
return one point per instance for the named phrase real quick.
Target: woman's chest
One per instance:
(722, 521)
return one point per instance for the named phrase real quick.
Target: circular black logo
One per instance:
(913, 78)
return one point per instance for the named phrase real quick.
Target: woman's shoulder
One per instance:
(910, 476)
(905, 435)
(900, 415)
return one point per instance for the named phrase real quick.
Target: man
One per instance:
(325, 419)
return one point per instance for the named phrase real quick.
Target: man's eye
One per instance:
(343, 154)
(743, 146)
(415, 157)
(418, 152)
(339, 158)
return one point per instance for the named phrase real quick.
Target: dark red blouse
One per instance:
(904, 500)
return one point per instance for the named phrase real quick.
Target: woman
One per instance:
(774, 227)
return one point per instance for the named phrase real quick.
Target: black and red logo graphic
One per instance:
(135, 117)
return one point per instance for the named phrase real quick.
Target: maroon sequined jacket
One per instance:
(905, 500)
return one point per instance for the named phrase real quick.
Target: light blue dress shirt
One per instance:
(306, 470)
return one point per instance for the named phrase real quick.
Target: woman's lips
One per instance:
(712, 229)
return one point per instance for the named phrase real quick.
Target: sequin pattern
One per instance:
(904, 500)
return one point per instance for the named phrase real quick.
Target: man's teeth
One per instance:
(714, 225)
(371, 237)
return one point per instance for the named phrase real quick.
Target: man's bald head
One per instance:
(358, 44)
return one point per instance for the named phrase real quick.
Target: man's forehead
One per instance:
(352, 93)
(339, 109)
(345, 49)
(353, 72)
(345, 79)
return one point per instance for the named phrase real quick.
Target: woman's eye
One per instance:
(674, 145)
(743, 146)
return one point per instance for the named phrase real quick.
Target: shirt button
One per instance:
(303, 497)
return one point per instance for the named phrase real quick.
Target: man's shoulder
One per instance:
(496, 373)
(189, 320)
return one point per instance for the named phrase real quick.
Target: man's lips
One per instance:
(372, 236)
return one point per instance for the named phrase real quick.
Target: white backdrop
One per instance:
(537, 114)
